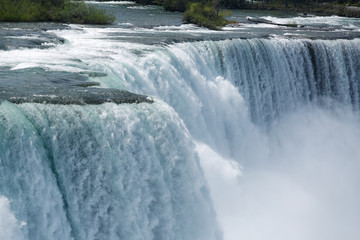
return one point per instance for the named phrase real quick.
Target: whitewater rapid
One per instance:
(247, 139)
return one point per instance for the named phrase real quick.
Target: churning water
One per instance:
(254, 137)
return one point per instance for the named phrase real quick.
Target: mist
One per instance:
(304, 188)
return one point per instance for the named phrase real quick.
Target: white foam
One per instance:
(143, 7)
(327, 21)
(111, 2)
(299, 177)
(24, 66)
(308, 188)
(10, 228)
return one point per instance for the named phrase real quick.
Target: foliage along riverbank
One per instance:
(321, 9)
(201, 11)
(210, 14)
(204, 13)
(64, 11)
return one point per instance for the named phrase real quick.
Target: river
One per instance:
(153, 129)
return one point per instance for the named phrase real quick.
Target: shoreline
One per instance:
(324, 9)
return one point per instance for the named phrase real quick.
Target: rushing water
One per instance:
(247, 133)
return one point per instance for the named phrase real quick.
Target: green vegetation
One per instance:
(183, 5)
(346, 8)
(201, 12)
(205, 14)
(64, 11)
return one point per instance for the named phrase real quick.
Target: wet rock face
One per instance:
(80, 97)
(51, 87)
(29, 35)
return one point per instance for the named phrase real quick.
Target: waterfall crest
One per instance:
(107, 172)
(265, 116)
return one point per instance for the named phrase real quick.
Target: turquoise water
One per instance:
(247, 133)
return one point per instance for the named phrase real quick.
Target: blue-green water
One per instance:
(247, 133)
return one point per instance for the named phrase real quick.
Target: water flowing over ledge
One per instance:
(255, 137)
(102, 172)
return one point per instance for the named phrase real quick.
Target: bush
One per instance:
(54, 11)
(79, 12)
(21, 10)
(205, 15)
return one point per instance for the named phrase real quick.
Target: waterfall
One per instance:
(287, 74)
(285, 110)
(246, 139)
(221, 89)
(109, 172)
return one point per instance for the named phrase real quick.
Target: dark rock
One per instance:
(37, 85)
